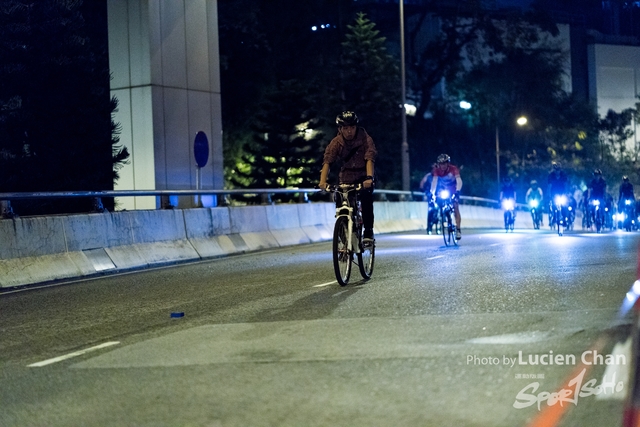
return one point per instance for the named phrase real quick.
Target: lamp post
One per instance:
(521, 121)
(405, 145)
(498, 154)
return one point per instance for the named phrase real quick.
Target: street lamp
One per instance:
(498, 154)
(404, 149)
(521, 121)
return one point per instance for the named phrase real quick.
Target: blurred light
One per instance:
(533, 203)
(561, 200)
(465, 105)
(522, 120)
(307, 133)
(314, 28)
(630, 299)
(410, 110)
(508, 204)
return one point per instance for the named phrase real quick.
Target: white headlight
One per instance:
(508, 204)
(561, 200)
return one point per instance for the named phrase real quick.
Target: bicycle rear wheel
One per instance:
(559, 223)
(342, 254)
(366, 259)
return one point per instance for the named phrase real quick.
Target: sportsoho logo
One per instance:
(575, 389)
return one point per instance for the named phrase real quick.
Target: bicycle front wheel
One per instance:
(448, 230)
(366, 258)
(342, 254)
(559, 223)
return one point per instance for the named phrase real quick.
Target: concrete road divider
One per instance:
(47, 249)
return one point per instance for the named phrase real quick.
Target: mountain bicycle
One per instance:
(509, 206)
(536, 215)
(347, 235)
(447, 224)
(597, 212)
(559, 214)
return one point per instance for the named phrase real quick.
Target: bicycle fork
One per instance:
(352, 239)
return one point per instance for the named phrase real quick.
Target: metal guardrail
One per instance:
(6, 211)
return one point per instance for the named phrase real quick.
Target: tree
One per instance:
(615, 132)
(56, 128)
(521, 73)
(260, 46)
(370, 83)
(285, 150)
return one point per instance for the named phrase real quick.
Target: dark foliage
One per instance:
(285, 150)
(56, 128)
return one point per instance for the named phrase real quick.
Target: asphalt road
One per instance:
(476, 335)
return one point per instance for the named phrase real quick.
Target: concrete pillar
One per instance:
(164, 58)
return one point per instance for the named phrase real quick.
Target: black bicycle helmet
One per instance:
(555, 165)
(534, 183)
(597, 172)
(444, 158)
(347, 118)
(625, 178)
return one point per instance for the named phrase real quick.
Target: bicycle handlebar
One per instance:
(344, 187)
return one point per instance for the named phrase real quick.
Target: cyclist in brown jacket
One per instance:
(355, 148)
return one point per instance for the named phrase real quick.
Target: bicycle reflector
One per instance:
(533, 203)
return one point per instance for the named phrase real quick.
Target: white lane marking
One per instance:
(494, 244)
(74, 354)
(436, 257)
(325, 284)
(339, 293)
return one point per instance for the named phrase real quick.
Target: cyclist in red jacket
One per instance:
(447, 177)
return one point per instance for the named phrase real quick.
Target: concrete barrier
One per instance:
(45, 249)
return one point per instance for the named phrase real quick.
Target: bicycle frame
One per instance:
(536, 215)
(346, 210)
(509, 206)
(597, 212)
(347, 235)
(445, 205)
(559, 213)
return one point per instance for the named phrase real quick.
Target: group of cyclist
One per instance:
(596, 204)
(355, 148)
